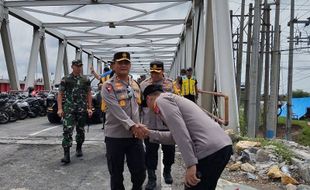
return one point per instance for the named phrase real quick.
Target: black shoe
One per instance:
(168, 178)
(79, 152)
(151, 184)
(66, 158)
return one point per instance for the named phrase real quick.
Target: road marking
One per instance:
(47, 129)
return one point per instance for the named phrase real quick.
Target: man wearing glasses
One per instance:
(123, 97)
(75, 88)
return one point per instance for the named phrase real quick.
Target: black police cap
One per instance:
(151, 89)
(120, 56)
(189, 69)
(156, 66)
(77, 62)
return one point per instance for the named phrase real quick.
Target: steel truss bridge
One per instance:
(181, 33)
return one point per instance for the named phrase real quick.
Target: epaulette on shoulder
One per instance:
(110, 80)
(146, 81)
(169, 79)
(136, 82)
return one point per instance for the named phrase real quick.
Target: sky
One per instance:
(301, 72)
(22, 39)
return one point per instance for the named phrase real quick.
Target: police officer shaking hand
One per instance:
(75, 88)
(123, 97)
(204, 146)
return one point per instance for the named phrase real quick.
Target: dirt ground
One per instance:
(281, 132)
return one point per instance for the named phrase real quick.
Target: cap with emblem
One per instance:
(120, 56)
(151, 89)
(156, 66)
(77, 62)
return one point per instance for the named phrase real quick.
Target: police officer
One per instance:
(189, 86)
(205, 147)
(123, 97)
(76, 91)
(150, 120)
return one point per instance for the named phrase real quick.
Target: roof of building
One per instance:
(299, 107)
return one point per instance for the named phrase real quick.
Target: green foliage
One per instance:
(304, 136)
(280, 148)
(300, 94)
(242, 123)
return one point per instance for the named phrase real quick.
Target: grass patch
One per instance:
(280, 148)
(304, 136)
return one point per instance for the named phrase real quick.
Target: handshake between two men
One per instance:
(140, 131)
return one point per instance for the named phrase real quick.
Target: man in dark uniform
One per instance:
(76, 91)
(123, 97)
(151, 121)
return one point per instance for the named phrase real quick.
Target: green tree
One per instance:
(300, 93)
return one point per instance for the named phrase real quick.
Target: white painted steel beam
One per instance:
(44, 64)
(33, 59)
(79, 2)
(90, 63)
(8, 50)
(146, 36)
(205, 60)
(27, 18)
(78, 56)
(60, 61)
(224, 59)
(141, 57)
(133, 52)
(146, 45)
(99, 66)
(66, 63)
(188, 44)
(100, 24)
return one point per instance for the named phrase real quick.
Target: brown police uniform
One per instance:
(123, 99)
(152, 121)
(201, 140)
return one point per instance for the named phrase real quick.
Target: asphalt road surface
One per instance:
(30, 153)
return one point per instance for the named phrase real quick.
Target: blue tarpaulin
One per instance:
(299, 107)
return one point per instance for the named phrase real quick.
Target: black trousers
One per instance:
(151, 155)
(211, 167)
(117, 150)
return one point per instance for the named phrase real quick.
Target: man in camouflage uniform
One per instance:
(75, 88)
(123, 97)
(153, 122)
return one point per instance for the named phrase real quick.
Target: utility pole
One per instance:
(248, 61)
(253, 71)
(260, 67)
(240, 52)
(290, 75)
(271, 123)
(267, 70)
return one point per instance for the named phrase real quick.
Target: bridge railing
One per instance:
(225, 119)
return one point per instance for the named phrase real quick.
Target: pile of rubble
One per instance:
(259, 162)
